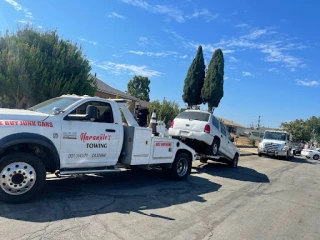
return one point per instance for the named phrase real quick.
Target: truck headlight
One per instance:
(285, 149)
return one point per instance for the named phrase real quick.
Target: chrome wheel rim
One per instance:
(17, 178)
(315, 157)
(215, 148)
(182, 167)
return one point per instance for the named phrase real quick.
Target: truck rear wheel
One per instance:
(214, 147)
(22, 176)
(181, 167)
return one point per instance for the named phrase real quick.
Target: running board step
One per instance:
(208, 156)
(88, 171)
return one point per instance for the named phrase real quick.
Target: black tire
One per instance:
(181, 167)
(259, 154)
(288, 157)
(235, 161)
(316, 157)
(215, 147)
(20, 173)
(291, 157)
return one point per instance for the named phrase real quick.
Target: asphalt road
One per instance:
(262, 199)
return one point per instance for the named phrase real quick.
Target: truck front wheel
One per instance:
(22, 175)
(181, 167)
(235, 161)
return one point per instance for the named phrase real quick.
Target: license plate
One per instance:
(184, 133)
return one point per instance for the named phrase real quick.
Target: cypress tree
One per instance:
(194, 80)
(212, 91)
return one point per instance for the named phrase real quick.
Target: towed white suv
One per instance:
(203, 132)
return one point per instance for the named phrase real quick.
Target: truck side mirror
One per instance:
(91, 113)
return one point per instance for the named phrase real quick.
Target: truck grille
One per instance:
(271, 146)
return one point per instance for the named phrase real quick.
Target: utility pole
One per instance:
(259, 123)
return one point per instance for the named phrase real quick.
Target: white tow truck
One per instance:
(74, 134)
(276, 144)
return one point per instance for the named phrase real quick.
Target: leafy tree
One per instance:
(182, 110)
(313, 124)
(299, 129)
(36, 66)
(194, 80)
(166, 110)
(212, 90)
(139, 87)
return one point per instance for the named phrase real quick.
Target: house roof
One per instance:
(144, 104)
(103, 87)
(229, 123)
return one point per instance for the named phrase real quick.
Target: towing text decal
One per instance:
(102, 137)
(163, 144)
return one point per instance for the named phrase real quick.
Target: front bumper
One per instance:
(280, 153)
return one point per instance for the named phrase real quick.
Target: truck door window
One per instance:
(105, 114)
(223, 129)
(215, 122)
(228, 135)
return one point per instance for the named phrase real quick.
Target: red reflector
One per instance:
(207, 128)
(172, 124)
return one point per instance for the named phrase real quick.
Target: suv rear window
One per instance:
(200, 116)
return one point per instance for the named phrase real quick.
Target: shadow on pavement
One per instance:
(239, 173)
(123, 192)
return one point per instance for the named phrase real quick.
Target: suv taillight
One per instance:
(172, 124)
(207, 128)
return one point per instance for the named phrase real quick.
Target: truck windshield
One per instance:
(200, 116)
(47, 106)
(275, 136)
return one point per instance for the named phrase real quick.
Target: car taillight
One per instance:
(172, 124)
(207, 128)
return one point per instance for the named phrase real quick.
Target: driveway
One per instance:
(263, 198)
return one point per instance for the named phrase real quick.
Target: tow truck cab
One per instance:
(75, 135)
(276, 143)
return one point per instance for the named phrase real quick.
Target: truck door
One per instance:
(231, 147)
(224, 140)
(87, 144)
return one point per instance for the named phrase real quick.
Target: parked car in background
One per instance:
(313, 153)
(297, 147)
(203, 132)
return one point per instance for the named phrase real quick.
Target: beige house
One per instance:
(232, 126)
(106, 91)
(138, 108)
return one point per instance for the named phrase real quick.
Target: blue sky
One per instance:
(271, 48)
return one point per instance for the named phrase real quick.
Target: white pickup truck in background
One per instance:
(203, 132)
